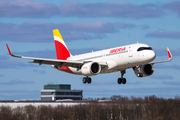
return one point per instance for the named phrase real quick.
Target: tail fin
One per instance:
(62, 51)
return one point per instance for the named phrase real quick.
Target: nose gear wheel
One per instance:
(139, 69)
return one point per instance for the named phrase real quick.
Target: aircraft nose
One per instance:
(152, 55)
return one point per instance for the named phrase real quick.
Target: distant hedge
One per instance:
(119, 108)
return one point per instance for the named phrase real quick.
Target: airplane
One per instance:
(138, 56)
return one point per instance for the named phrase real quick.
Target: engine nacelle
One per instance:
(90, 69)
(146, 70)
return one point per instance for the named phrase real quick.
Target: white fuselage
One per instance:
(118, 58)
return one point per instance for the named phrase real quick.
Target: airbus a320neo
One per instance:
(137, 56)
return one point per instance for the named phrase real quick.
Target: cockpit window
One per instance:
(144, 48)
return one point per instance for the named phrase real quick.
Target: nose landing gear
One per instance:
(139, 69)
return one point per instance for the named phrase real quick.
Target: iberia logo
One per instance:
(117, 50)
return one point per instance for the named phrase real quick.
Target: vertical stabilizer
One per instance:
(62, 51)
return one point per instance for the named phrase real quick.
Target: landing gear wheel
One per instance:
(124, 80)
(139, 70)
(86, 80)
(119, 80)
(140, 75)
(89, 80)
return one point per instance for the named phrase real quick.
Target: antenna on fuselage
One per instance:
(137, 42)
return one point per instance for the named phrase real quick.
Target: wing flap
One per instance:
(55, 62)
(70, 63)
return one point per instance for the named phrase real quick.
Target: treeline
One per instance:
(117, 108)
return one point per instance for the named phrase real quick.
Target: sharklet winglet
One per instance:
(11, 53)
(169, 53)
(8, 49)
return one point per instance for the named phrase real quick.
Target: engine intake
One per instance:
(146, 70)
(90, 69)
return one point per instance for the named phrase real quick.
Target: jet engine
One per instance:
(144, 70)
(90, 69)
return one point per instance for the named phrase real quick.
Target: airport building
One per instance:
(54, 92)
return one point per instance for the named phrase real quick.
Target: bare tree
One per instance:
(119, 108)
(5, 113)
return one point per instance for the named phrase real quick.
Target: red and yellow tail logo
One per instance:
(169, 53)
(62, 51)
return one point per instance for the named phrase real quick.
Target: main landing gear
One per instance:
(86, 80)
(122, 80)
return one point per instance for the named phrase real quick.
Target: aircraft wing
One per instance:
(161, 61)
(56, 62)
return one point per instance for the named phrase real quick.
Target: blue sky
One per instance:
(26, 25)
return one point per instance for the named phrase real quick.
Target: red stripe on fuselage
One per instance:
(65, 69)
